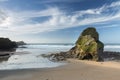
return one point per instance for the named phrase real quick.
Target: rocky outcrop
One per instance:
(88, 46)
(56, 56)
(19, 43)
(6, 44)
(111, 56)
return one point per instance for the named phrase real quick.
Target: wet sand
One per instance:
(74, 70)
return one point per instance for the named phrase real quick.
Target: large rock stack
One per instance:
(88, 46)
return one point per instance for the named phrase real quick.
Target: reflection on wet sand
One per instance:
(4, 55)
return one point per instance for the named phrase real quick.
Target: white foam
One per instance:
(48, 46)
(27, 61)
(112, 46)
(32, 60)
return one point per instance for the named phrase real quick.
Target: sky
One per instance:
(59, 21)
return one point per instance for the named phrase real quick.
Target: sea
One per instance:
(29, 56)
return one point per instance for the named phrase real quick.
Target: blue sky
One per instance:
(59, 21)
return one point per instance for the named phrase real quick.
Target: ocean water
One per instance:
(112, 47)
(31, 56)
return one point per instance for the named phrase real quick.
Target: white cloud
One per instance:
(111, 26)
(22, 23)
(115, 4)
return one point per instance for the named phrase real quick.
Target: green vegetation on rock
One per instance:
(91, 31)
(88, 45)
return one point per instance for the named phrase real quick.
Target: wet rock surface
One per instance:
(111, 56)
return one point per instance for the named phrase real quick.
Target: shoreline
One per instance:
(73, 70)
(106, 64)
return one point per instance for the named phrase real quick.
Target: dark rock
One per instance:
(6, 44)
(19, 43)
(56, 57)
(92, 32)
(108, 55)
(3, 55)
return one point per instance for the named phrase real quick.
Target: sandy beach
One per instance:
(73, 70)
